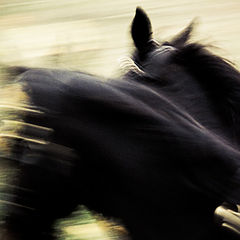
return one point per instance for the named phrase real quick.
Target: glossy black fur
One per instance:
(157, 149)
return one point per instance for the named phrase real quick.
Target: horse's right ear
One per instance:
(141, 30)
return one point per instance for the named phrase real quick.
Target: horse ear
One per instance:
(184, 36)
(141, 30)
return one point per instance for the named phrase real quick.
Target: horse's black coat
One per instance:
(157, 149)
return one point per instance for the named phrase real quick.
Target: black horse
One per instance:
(157, 149)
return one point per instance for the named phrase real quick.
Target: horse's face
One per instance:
(190, 75)
(151, 57)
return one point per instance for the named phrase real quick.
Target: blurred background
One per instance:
(93, 36)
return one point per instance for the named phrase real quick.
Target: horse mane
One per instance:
(219, 78)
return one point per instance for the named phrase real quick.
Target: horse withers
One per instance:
(157, 148)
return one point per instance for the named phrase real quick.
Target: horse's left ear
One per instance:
(141, 30)
(181, 39)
